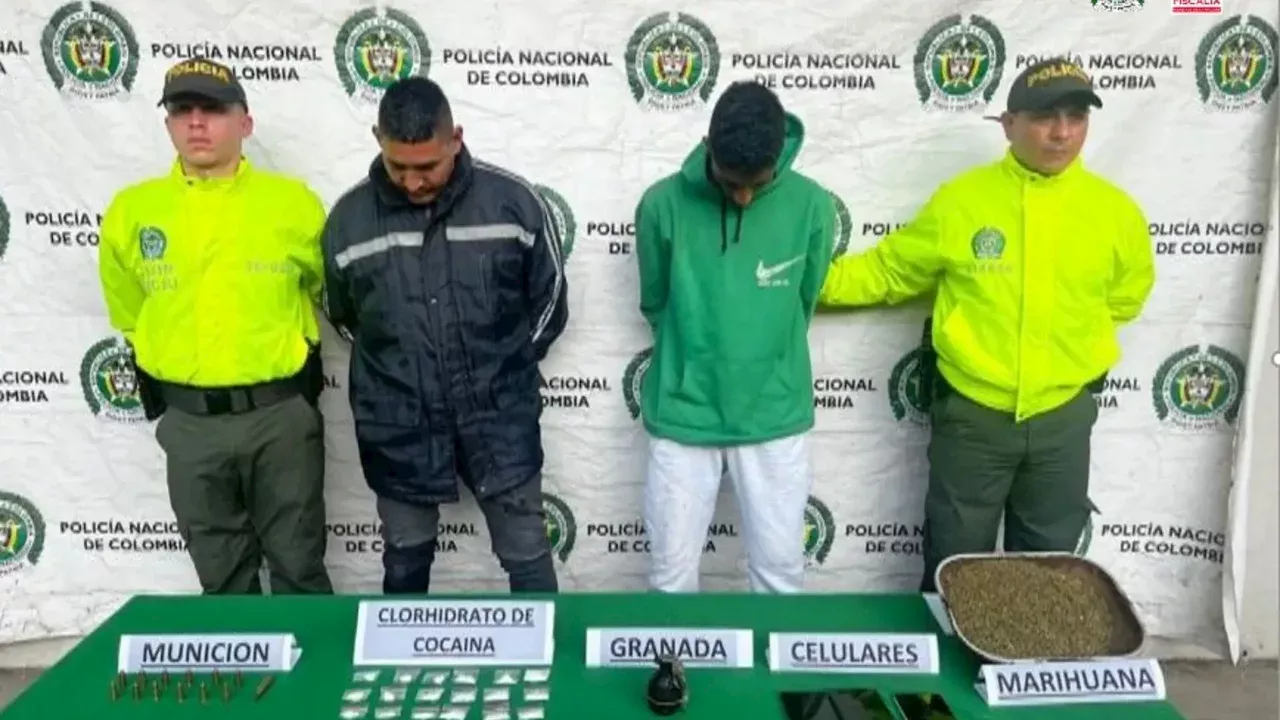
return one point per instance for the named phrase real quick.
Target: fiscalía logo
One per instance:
(958, 64)
(90, 51)
(110, 382)
(673, 62)
(987, 244)
(377, 47)
(4, 228)
(1117, 5)
(908, 396)
(562, 527)
(562, 216)
(1199, 388)
(633, 381)
(819, 531)
(21, 533)
(1236, 64)
(844, 226)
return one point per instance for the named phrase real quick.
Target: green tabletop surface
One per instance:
(79, 685)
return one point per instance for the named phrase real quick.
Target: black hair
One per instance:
(748, 127)
(414, 110)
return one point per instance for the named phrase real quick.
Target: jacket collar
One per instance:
(1027, 176)
(392, 196)
(177, 174)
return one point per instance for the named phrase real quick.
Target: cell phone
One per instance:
(864, 704)
(923, 706)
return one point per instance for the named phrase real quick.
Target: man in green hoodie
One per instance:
(733, 250)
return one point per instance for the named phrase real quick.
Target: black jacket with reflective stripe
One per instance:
(449, 307)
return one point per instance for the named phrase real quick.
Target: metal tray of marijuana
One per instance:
(1127, 634)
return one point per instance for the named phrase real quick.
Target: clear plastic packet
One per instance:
(497, 712)
(425, 714)
(506, 677)
(434, 677)
(533, 712)
(353, 712)
(536, 693)
(465, 677)
(537, 675)
(497, 694)
(456, 713)
(462, 696)
(393, 694)
(364, 677)
(430, 694)
(407, 676)
(357, 696)
(387, 713)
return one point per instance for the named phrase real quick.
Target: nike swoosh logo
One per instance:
(766, 273)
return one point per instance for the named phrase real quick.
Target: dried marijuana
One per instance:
(1021, 609)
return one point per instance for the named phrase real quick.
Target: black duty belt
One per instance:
(228, 401)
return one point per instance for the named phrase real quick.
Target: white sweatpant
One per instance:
(771, 481)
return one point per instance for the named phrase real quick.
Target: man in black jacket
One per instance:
(447, 275)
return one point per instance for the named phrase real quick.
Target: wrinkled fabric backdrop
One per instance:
(593, 102)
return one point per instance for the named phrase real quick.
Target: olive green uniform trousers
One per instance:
(247, 487)
(984, 466)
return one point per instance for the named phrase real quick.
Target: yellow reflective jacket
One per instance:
(1033, 275)
(214, 281)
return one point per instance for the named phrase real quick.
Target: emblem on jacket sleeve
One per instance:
(959, 63)
(988, 244)
(1236, 64)
(152, 243)
(672, 62)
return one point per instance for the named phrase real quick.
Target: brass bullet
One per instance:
(217, 677)
(263, 687)
(239, 679)
(115, 691)
(226, 693)
(137, 692)
(155, 691)
(191, 677)
(164, 678)
(122, 679)
(182, 693)
(204, 694)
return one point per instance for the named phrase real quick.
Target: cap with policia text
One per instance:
(1049, 84)
(202, 78)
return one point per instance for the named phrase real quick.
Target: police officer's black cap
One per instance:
(1051, 84)
(201, 78)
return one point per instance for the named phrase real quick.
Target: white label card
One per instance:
(854, 653)
(449, 633)
(228, 652)
(695, 647)
(1063, 683)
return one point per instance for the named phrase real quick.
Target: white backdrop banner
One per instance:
(594, 101)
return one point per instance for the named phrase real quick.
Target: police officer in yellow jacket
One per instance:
(211, 273)
(1035, 261)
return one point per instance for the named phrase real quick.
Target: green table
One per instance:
(77, 687)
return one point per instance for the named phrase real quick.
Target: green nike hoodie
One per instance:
(728, 293)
